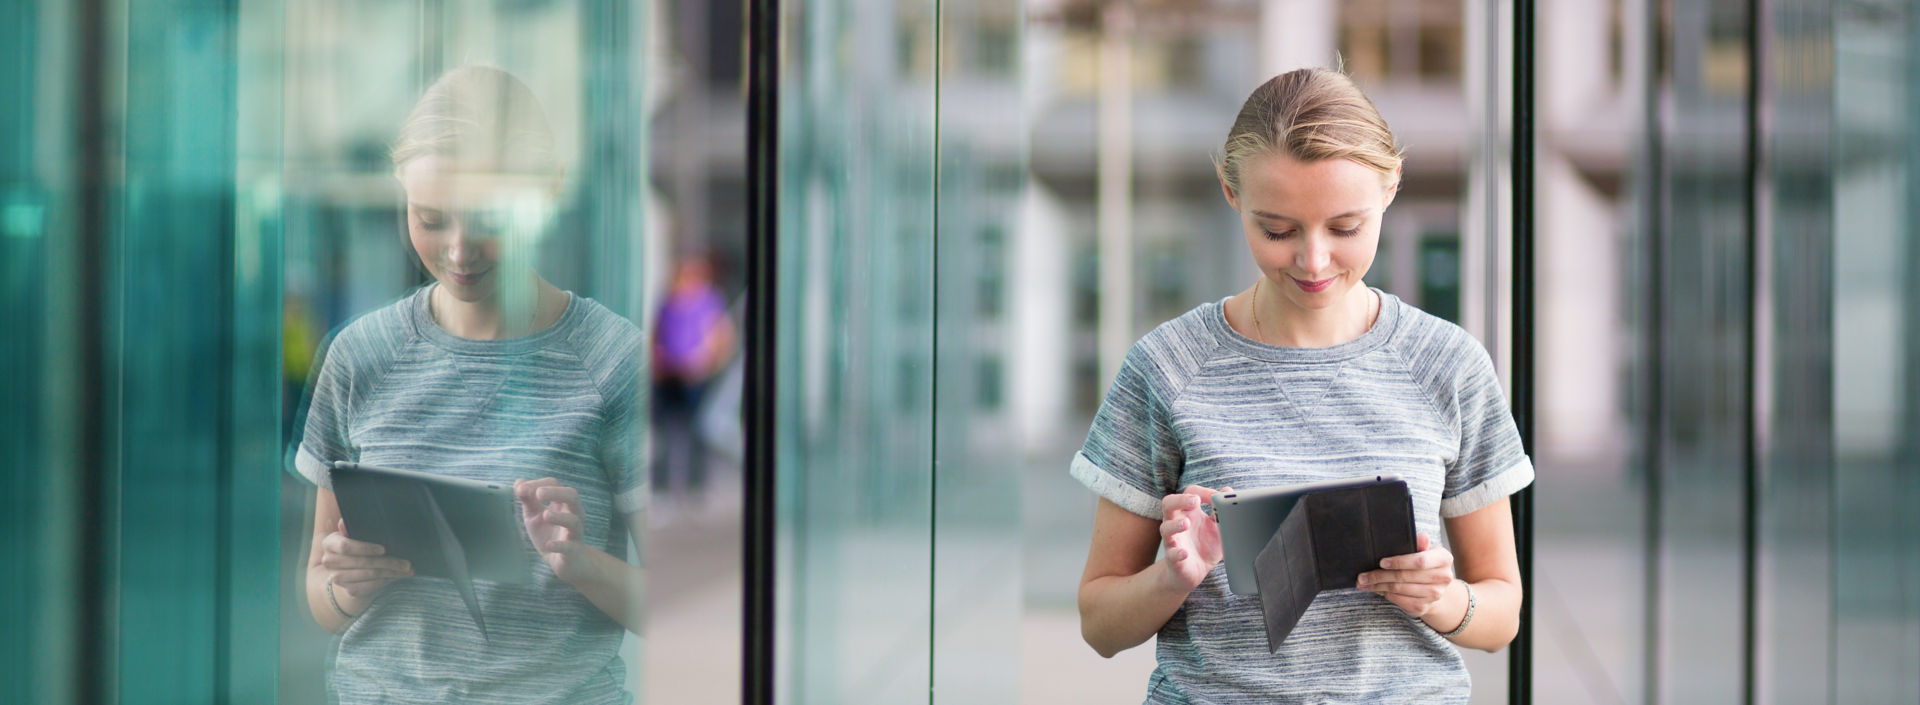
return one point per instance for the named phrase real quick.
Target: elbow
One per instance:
(1100, 646)
(1090, 634)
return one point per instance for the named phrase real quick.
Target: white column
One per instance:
(1115, 206)
(1297, 33)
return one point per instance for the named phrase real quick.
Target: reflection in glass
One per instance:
(1876, 322)
(488, 373)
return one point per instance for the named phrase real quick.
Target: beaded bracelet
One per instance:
(1464, 621)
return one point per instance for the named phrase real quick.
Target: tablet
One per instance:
(1248, 520)
(448, 527)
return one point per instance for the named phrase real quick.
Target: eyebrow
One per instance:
(1276, 216)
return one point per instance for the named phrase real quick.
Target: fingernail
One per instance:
(1383, 562)
(1363, 581)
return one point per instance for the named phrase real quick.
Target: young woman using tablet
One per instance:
(488, 373)
(1307, 374)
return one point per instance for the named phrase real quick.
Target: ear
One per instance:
(1226, 190)
(1393, 189)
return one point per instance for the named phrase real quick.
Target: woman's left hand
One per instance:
(551, 512)
(1414, 582)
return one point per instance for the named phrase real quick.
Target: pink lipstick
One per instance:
(1313, 287)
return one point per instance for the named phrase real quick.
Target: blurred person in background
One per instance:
(693, 339)
(1306, 375)
(489, 373)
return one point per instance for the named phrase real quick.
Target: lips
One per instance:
(1313, 286)
(468, 279)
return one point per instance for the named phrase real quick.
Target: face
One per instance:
(466, 225)
(1313, 227)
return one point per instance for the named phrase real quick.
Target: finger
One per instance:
(1173, 503)
(1176, 555)
(565, 519)
(1424, 560)
(1421, 542)
(1200, 491)
(341, 526)
(1419, 577)
(1424, 592)
(560, 494)
(359, 577)
(338, 561)
(1223, 489)
(340, 544)
(1173, 526)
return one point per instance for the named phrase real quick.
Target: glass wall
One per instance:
(202, 204)
(981, 206)
(1127, 228)
(1875, 386)
(901, 160)
(1722, 234)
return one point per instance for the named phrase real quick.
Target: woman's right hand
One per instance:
(1191, 537)
(359, 569)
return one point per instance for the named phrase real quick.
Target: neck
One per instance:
(1287, 325)
(522, 309)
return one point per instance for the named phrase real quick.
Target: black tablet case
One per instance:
(1327, 540)
(422, 522)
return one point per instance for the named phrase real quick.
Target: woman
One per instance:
(491, 373)
(1307, 374)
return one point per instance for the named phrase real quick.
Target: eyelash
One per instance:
(1271, 235)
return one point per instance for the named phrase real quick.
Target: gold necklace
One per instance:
(1254, 306)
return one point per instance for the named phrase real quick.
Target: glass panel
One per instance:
(469, 255)
(983, 376)
(1595, 201)
(855, 374)
(1702, 323)
(1876, 381)
(1793, 626)
(693, 76)
(1125, 219)
(41, 309)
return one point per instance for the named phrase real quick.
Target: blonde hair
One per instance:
(1311, 114)
(483, 118)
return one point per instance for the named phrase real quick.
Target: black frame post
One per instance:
(1520, 654)
(763, 123)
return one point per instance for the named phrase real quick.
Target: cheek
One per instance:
(1360, 251)
(423, 245)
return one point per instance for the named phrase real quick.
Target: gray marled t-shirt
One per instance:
(1198, 403)
(396, 390)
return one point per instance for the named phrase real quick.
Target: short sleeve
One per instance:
(1492, 463)
(323, 433)
(1131, 456)
(623, 445)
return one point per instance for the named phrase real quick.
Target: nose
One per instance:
(1314, 255)
(466, 246)
(461, 248)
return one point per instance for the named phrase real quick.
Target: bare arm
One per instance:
(1484, 555)
(1423, 584)
(552, 516)
(357, 568)
(1126, 595)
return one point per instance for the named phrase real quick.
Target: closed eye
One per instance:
(1271, 235)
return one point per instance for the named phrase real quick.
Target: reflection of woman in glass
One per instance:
(1306, 375)
(490, 373)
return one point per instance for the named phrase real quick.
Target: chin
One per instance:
(480, 291)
